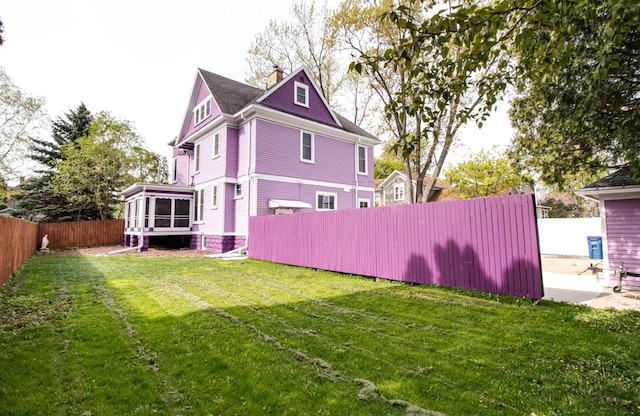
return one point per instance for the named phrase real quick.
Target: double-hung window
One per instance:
(202, 111)
(362, 160)
(216, 145)
(199, 211)
(174, 170)
(196, 158)
(398, 192)
(301, 94)
(238, 191)
(363, 203)
(214, 196)
(306, 147)
(326, 201)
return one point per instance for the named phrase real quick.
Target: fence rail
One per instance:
(19, 239)
(487, 244)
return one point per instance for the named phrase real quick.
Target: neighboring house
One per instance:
(11, 203)
(619, 199)
(395, 190)
(244, 151)
(542, 211)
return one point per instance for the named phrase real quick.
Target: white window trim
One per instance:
(206, 113)
(198, 200)
(335, 200)
(313, 147)
(306, 94)
(366, 160)
(361, 200)
(235, 191)
(214, 196)
(174, 170)
(216, 136)
(196, 158)
(398, 186)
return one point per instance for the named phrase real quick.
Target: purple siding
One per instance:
(268, 189)
(277, 152)
(202, 93)
(246, 132)
(231, 154)
(210, 167)
(242, 209)
(282, 99)
(182, 171)
(623, 235)
(213, 217)
(229, 208)
(486, 244)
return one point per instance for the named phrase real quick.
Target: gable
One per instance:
(199, 95)
(282, 97)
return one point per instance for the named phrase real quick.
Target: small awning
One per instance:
(283, 203)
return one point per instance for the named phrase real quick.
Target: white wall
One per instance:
(567, 236)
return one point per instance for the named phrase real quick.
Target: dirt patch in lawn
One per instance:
(105, 250)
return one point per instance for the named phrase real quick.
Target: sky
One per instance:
(138, 58)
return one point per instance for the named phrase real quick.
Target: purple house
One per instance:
(244, 151)
(619, 198)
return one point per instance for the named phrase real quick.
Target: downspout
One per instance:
(355, 171)
(142, 209)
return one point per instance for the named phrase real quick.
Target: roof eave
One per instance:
(595, 193)
(259, 110)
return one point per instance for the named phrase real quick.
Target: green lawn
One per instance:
(196, 336)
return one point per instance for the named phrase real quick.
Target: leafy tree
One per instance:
(36, 199)
(421, 71)
(387, 162)
(575, 67)
(578, 108)
(5, 194)
(484, 174)
(385, 165)
(1, 32)
(96, 167)
(20, 116)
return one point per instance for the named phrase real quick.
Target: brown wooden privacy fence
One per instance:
(82, 233)
(19, 239)
(487, 244)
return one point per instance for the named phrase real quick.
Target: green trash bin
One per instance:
(595, 247)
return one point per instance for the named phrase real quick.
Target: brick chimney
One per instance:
(275, 77)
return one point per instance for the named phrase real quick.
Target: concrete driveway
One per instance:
(566, 279)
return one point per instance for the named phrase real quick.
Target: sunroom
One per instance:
(154, 210)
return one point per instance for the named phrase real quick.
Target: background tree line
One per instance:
(77, 173)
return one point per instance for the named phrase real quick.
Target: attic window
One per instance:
(201, 112)
(301, 94)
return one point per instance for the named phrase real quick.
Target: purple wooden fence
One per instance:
(487, 244)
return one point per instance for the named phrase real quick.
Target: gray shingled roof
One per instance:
(232, 96)
(619, 178)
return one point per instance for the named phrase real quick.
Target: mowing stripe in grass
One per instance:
(325, 369)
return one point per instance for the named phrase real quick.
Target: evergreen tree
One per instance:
(36, 200)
